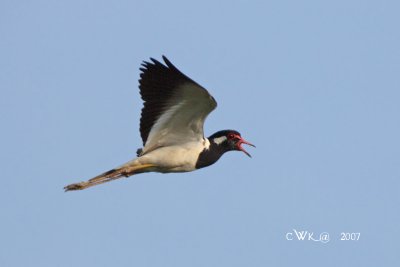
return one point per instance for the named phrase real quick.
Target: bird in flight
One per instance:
(171, 127)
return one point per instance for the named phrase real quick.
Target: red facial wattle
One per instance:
(239, 143)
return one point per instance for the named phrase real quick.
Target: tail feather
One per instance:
(124, 171)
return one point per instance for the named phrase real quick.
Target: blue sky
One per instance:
(314, 84)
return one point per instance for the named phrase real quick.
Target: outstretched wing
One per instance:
(175, 106)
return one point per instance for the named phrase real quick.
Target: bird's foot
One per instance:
(76, 186)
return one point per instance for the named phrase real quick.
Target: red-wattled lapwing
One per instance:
(171, 127)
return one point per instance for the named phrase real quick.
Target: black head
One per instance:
(230, 140)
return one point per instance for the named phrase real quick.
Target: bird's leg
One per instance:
(131, 170)
(111, 175)
(102, 178)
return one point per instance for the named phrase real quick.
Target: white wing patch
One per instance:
(183, 119)
(160, 128)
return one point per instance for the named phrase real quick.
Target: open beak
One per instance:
(239, 146)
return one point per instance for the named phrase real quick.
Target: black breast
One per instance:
(209, 156)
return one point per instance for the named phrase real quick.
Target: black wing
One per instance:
(175, 106)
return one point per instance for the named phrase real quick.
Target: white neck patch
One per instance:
(206, 143)
(219, 140)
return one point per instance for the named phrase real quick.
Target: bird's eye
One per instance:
(231, 136)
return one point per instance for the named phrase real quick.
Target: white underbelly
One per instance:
(180, 158)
